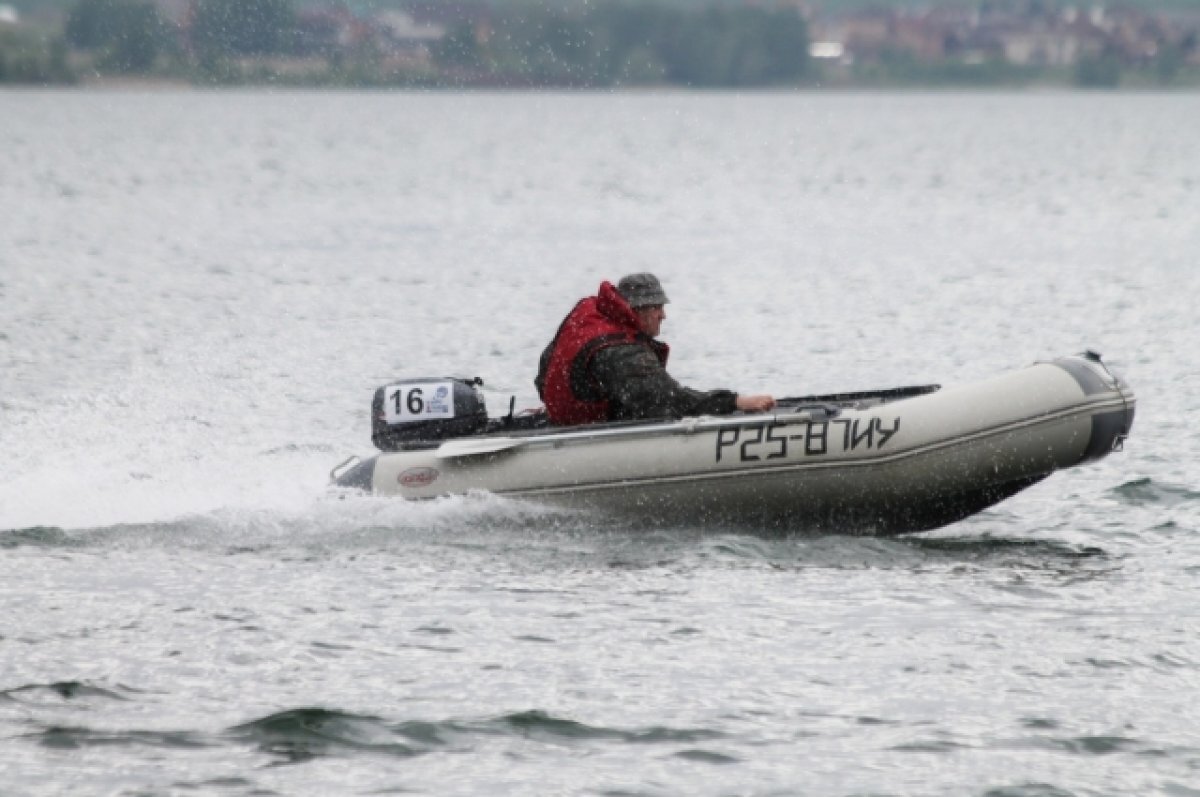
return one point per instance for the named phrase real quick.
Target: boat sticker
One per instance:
(418, 477)
(767, 441)
(420, 402)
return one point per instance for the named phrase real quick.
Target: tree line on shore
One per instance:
(480, 43)
(230, 41)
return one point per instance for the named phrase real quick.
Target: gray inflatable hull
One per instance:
(871, 465)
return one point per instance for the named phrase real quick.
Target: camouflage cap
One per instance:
(642, 290)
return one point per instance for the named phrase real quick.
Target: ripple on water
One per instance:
(1093, 744)
(63, 737)
(302, 734)
(38, 537)
(60, 691)
(1147, 491)
(1029, 790)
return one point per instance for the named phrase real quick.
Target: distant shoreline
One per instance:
(156, 85)
(656, 45)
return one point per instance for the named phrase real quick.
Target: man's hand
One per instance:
(755, 403)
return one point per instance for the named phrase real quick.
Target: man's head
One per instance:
(645, 295)
(641, 289)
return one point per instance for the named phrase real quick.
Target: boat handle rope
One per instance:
(812, 410)
(1091, 355)
(342, 466)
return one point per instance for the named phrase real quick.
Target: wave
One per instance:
(529, 538)
(1029, 790)
(540, 725)
(1147, 491)
(341, 519)
(73, 738)
(38, 537)
(63, 690)
(304, 733)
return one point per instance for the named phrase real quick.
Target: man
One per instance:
(604, 363)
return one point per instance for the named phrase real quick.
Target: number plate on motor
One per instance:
(422, 402)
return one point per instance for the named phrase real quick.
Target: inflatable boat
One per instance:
(877, 462)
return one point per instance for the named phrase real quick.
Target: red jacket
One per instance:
(565, 382)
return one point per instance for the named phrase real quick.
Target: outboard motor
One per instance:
(420, 413)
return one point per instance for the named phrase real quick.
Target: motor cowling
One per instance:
(420, 413)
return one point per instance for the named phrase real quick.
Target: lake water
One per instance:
(200, 291)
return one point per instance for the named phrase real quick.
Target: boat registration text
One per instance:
(812, 438)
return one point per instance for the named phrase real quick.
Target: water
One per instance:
(199, 292)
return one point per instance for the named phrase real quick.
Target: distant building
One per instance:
(1137, 38)
(1032, 34)
(174, 11)
(827, 51)
(1053, 42)
(863, 36)
(451, 14)
(402, 29)
(325, 31)
(406, 41)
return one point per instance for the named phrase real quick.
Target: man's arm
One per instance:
(640, 388)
